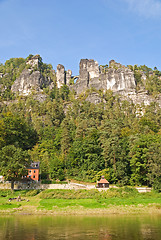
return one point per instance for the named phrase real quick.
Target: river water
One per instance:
(111, 227)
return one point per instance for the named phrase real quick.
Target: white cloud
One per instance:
(146, 8)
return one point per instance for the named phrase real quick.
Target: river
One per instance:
(111, 227)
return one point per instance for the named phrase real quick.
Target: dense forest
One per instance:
(75, 139)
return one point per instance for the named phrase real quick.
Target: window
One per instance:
(34, 171)
(34, 176)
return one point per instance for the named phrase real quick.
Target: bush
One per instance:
(45, 181)
(32, 193)
(157, 185)
(70, 194)
(89, 194)
(5, 193)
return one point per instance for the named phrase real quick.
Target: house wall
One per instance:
(33, 174)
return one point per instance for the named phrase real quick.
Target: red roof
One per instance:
(103, 180)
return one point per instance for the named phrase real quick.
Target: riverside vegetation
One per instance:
(76, 139)
(121, 200)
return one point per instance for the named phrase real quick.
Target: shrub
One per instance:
(31, 193)
(5, 192)
(70, 194)
(45, 181)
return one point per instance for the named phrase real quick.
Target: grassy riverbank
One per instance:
(118, 201)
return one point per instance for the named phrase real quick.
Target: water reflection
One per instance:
(81, 228)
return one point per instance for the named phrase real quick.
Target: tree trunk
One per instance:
(12, 185)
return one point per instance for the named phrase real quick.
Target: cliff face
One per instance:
(116, 77)
(30, 79)
(27, 82)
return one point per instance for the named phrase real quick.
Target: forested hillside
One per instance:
(76, 139)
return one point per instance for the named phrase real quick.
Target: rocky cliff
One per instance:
(116, 77)
(31, 78)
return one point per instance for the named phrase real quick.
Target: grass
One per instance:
(122, 200)
(49, 204)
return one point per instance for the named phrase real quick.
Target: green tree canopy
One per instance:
(16, 131)
(13, 163)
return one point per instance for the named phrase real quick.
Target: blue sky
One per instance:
(64, 31)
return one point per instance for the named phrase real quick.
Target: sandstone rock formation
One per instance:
(30, 79)
(120, 78)
(27, 82)
(68, 77)
(60, 75)
(34, 61)
(116, 77)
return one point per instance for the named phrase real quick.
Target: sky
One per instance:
(65, 31)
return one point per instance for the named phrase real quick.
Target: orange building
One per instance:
(33, 171)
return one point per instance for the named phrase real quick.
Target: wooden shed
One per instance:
(103, 183)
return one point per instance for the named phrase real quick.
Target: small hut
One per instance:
(103, 183)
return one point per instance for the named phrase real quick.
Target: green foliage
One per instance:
(73, 138)
(32, 193)
(89, 194)
(13, 163)
(137, 75)
(16, 131)
(46, 181)
(5, 193)
(152, 83)
(64, 92)
(154, 164)
(105, 172)
(11, 70)
(104, 68)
